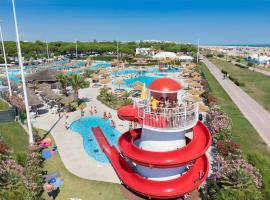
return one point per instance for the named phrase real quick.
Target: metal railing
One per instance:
(179, 117)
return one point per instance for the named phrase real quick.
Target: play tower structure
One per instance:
(166, 157)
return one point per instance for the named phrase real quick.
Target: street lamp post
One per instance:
(30, 132)
(5, 59)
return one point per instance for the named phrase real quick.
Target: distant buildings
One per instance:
(259, 59)
(145, 51)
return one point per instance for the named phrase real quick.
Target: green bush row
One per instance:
(236, 82)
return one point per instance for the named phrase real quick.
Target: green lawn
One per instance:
(15, 136)
(244, 134)
(256, 85)
(81, 188)
(3, 105)
(73, 186)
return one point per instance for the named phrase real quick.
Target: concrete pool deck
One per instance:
(70, 144)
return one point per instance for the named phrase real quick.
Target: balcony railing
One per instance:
(180, 117)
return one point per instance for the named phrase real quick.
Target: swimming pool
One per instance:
(14, 73)
(83, 127)
(144, 79)
(125, 72)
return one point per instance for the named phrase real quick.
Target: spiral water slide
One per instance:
(193, 153)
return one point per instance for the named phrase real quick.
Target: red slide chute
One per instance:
(173, 188)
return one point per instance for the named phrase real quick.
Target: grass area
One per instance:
(81, 188)
(3, 105)
(15, 136)
(17, 139)
(256, 85)
(252, 145)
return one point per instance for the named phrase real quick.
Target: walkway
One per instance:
(70, 144)
(255, 113)
(267, 73)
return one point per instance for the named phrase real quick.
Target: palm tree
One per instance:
(78, 82)
(64, 81)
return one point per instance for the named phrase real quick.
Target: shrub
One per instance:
(209, 55)
(228, 149)
(262, 162)
(236, 82)
(220, 55)
(220, 122)
(223, 71)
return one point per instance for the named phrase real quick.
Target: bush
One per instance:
(238, 83)
(228, 149)
(21, 158)
(220, 55)
(250, 64)
(262, 162)
(223, 71)
(209, 55)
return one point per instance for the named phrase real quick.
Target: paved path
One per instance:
(254, 112)
(267, 73)
(70, 144)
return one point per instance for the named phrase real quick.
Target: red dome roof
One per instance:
(165, 85)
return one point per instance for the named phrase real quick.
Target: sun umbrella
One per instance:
(193, 98)
(53, 96)
(195, 92)
(66, 100)
(119, 82)
(105, 81)
(203, 108)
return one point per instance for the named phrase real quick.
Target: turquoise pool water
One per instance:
(13, 74)
(144, 79)
(125, 72)
(83, 127)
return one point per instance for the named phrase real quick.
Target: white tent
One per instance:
(185, 58)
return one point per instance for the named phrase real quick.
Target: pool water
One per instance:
(144, 79)
(13, 74)
(83, 127)
(125, 72)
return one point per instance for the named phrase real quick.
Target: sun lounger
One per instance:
(48, 177)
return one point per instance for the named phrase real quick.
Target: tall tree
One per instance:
(64, 81)
(78, 82)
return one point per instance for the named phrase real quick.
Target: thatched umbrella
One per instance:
(138, 87)
(43, 86)
(67, 99)
(53, 96)
(188, 81)
(138, 83)
(193, 98)
(119, 82)
(195, 92)
(197, 78)
(203, 108)
(105, 81)
(33, 99)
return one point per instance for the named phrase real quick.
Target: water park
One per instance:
(99, 121)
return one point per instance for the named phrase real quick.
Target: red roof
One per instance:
(165, 85)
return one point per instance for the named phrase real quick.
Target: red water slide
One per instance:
(194, 149)
(129, 113)
(180, 186)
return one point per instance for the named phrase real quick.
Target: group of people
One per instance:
(93, 110)
(157, 106)
(108, 116)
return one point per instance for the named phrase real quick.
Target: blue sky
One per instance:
(212, 21)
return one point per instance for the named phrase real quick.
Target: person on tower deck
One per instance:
(167, 102)
(154, 104)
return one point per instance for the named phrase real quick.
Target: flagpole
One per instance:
(5, 59)
(47, 47)
(30, 132)
(76, 49)
(198, 50)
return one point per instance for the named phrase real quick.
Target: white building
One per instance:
(144, 51)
